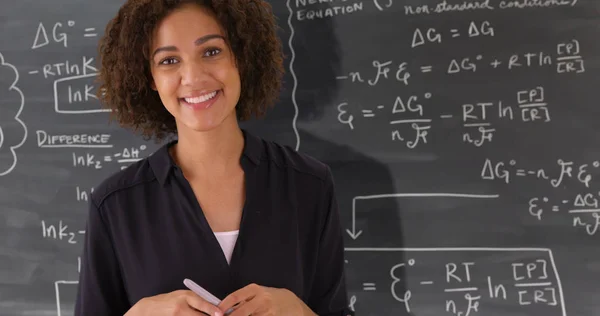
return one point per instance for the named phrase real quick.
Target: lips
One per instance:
(200, 102)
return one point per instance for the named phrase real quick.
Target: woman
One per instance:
(253, 222)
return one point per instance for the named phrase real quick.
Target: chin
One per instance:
(204, 124)
(202, 127)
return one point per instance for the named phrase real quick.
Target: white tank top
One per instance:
(227, 241)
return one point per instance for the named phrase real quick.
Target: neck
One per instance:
(216, 151)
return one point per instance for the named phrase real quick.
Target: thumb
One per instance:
(200, 304)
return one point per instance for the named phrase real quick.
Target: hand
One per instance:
(176, 303)
(259, 300)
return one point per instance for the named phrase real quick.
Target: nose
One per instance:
(193, 72)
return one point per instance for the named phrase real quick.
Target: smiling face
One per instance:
(193, 69)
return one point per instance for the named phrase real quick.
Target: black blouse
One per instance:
(146, 232)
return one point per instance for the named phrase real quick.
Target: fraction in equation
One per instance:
(401, 105)
(584, 208)
(476, 118)
(455, 281)
(124, 157)
(566, 59)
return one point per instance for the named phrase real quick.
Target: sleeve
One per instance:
(100, 289)
(328, 296)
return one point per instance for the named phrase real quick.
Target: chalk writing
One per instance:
(62, 284)
(564, 170)
(565, 59)
(476, 118)
(76, 95)
(355, 232)
(83, 195)
(447, 6)
(58, 34)
(45, 140)
(466, 278)
(68, 68)
(123, 158)
(583, 207)
(12, 111)
(432, 35)
(306, 9)
(61, 232)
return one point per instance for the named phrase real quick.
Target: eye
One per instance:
(213, 51)
(168, 61)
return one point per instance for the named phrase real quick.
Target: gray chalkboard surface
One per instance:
(463, 136)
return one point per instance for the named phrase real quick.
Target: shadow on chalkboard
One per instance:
(317, 58)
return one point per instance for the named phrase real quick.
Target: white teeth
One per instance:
(202, 98)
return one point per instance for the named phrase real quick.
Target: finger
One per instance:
(251, 307)
(234, 307)
(244, 294)
(200, 304)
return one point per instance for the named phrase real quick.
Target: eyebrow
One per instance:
(197, 42)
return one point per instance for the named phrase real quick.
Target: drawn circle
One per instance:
(596, 164)
(479, 57)
(70, 23)
(427, 95)
(143, 147)
(513, 162)
(545, 199)
(411, 262)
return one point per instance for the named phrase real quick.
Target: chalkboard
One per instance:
(462, 135)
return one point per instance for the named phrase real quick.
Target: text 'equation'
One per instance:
(308, 10)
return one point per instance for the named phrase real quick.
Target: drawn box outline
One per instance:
(426, 249)
(57, 291)
(56, 103)
(472, 249)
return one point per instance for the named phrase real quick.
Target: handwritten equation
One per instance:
(456, 281)
(432, 35)
(476, 117)
(74, 85)
(59, 33)
(123, 158)
(566, 59)
(565, 170)
(584, 208)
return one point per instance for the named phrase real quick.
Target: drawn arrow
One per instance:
(353, 233)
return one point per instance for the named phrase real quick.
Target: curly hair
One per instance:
(124, 75)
